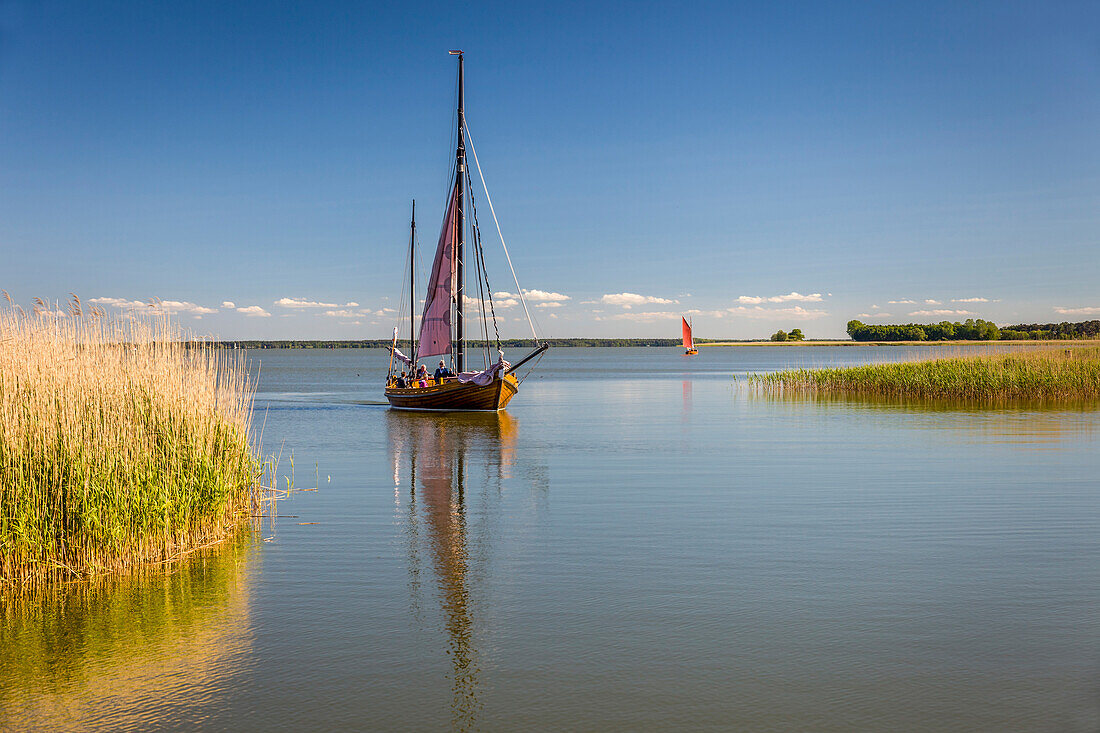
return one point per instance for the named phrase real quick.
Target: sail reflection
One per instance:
(437, 458)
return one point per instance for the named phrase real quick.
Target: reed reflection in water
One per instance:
(1037, 422)
(153, 649)
(433, 459)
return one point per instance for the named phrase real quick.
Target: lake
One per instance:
(641, 542)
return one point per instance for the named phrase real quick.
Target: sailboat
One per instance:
(445, 319)
(689, 343)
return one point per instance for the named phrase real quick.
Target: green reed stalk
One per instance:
(1042, 373)
(118, 444)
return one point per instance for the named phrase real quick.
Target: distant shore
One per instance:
(848, 342)
(630, 343)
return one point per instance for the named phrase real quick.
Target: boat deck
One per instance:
(455, 396)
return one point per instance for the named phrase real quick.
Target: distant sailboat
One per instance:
(443, 323)
(689, 343)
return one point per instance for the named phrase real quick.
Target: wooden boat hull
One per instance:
(455, 396)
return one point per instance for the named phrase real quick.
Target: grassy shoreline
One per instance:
(1043, 374)
(119, 445)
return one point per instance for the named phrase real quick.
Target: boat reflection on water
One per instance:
(437, 458)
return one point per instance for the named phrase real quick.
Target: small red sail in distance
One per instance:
(688, 342)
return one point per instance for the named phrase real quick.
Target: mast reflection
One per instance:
(435, 456)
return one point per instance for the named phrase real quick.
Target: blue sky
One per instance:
(759, 166)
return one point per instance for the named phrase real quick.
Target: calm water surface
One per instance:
(639, 543)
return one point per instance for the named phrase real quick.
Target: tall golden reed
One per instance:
(120, 443)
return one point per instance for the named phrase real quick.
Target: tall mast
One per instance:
(412, 284)
(460, 228)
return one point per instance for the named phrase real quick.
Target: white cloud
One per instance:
(1085, 311)
(791, 296)
(544, 296)
(548, 305)
(797, 313)
(340, 313)
(120, 302)
(535, 296)
(254, 311)
(929, 301)
(970, 300)
(387, 310)
(176, 306)
(661, 315)
(880, 314)
(509, 301)
(874, 307)
(474, 305)
(650, 316)
(627, 300)
(157, 306)
(229, 304)
(942, 312)
(352, 304)
(900, 302)
(303, 303)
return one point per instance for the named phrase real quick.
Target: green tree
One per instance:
(796, 334)
(780, 336)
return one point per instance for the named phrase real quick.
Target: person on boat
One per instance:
(443, 372)
(400, 382)
(422, 375)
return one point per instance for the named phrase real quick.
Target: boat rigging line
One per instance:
(483, 272)
(488, 198)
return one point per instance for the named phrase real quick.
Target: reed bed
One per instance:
(1040, 374)
(119, 444)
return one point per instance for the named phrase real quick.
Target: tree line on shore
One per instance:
(971, 330)
(403, 344)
